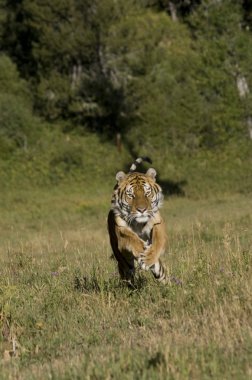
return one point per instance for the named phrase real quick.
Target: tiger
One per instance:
(136, 229)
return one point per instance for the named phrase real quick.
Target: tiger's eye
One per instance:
(130, 194)
(148, 192)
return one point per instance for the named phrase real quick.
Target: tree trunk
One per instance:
(173, 11)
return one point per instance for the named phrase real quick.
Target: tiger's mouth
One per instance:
(140, 217)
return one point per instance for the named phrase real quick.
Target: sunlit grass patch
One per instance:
(65, 313)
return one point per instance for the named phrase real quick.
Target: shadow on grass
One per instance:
(95, 284)
(170, 187)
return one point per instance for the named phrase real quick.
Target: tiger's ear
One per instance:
(120, 176)
(151, 173)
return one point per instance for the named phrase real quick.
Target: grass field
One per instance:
(65, 315)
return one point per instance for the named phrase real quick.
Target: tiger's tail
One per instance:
(138, 161)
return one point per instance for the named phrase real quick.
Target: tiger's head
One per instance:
(137, 196)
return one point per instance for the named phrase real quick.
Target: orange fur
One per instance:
(136, 228)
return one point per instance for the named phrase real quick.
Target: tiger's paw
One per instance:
(144, 260)
(142, 264)
(148, 258)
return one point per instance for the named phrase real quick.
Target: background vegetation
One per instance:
(85, 87)
(170, 79)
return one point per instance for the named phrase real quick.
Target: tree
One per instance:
(18, 126)
(225, 49)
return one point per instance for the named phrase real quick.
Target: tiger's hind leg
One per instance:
(127, 271)
(159, 272)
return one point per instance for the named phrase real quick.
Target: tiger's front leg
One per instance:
(150, 258)
(130, 247)
(130, 242)
(126, 246)
(153, 252)
(122, 239)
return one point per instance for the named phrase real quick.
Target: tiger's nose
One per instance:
(141, 209)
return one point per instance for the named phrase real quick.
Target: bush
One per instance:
(10, 81)
(18, 127)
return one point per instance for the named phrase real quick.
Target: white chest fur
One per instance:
(143, 231)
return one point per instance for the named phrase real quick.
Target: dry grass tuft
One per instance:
(64, 313)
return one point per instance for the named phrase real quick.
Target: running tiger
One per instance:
(135, 226)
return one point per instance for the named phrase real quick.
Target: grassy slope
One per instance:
(66, 316)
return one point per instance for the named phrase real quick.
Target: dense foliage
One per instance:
(173, 78)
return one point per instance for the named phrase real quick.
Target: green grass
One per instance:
(65, 315)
